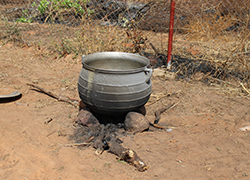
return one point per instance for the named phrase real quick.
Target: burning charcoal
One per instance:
(86, 118)
(136, 122)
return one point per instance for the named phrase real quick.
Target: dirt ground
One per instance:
(204, 140)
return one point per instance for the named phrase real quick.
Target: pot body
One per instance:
(114, 83)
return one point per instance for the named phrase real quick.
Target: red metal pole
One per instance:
(171, 32)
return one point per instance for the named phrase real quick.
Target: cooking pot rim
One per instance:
(114, 54)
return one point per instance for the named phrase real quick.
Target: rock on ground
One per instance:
(136, 122)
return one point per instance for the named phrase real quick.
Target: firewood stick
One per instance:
(58, 97)
(160, 111)
(127, 155)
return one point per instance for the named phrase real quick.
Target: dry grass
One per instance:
(212, 33)
(217, 32)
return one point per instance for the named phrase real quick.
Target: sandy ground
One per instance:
(205, 141)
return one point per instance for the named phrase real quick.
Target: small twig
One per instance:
(219, 80)
(58, 97)
(244, 88)
(50, 133)
(159, 98)
(175, 104)
(160, 111)
(48, 120)
(86, 143)
(77, 144)
(157, 126)
(153, 47)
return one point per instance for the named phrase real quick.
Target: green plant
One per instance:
(34, 4)
(55, 8)
(65, 80)
(121, 161)
(43, 6)
(64, 48)
(60, 168)
(107, 164)
(25, 17)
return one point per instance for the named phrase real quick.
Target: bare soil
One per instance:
(203, 140)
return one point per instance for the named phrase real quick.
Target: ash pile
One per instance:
(103, 132)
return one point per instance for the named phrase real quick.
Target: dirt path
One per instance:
(205, 141)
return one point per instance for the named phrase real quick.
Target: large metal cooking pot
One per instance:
(114, 83)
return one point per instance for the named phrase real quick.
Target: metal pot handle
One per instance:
(148, 73)
(83, 56)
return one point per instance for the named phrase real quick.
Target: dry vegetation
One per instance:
(212, 35)
(220, 29)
